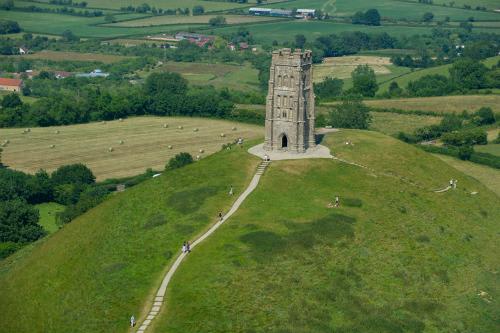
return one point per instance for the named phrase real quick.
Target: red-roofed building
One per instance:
(11, 84)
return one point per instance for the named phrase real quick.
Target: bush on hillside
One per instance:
(484, 116)
(430, 85)
(9, 27)
(328, 88)
(179, 160)
(73, 174)
(19, 222)
(476, 136)
(364, 81)
(465, 152)
(352, 113)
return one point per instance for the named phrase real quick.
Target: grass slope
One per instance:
(395, 257)
(96, 271)
(441, 104)
(393, 123)
(417, 74)
(48, 213)
(145, 144)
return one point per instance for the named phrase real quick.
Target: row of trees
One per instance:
(9, 27)
(162, 94)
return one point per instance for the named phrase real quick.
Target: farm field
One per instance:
(282, 31)
(145, 144)
(341, 67)
(493, 149)
(56, 24)
(392, 123)
(238, 77)
(490, 177)
(164, 4)
(394, 9)
(489, 4)
(48, 213)
(417, 74)
(178, 19)
(440, 104)
(73, 56)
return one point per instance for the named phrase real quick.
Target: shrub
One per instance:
(476, 136)
(484, 116)
(73, 174)
(179, 160)
(465, 152)
(352, 113)
(19, 222)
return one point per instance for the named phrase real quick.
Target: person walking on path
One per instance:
(337, 201)
(220, 216)
(188, 247)
(455, 184)
(132, 321)
(451, 183)
(231, 191)
(184, 247)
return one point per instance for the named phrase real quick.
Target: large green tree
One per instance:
(352, 113)
(364, 81)
(19, 222)
(468, 74)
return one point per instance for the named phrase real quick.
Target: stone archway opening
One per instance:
(284, 142)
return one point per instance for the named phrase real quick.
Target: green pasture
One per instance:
(239, 77)
(393, 123)
(286, 30)
(164, 4)
(394, 9)
(56, 24)
(418, 73)
(394, 257)
(48, 213)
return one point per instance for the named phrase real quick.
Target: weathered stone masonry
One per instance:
(290, 102)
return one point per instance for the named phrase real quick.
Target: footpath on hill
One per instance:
(160, 294)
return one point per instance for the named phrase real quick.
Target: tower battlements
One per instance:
(295, 57)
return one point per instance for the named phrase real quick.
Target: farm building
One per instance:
(94, 73)
(306, 12)
(11, 84)
(270, 12)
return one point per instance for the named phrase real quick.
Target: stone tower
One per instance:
(290, 102)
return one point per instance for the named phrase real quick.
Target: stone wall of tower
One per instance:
(290, 102)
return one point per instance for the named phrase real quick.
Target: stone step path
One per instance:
(160, 294)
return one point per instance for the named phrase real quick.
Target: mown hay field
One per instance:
(342, 67)
(145, 144)
(393, 123)
(180, 19)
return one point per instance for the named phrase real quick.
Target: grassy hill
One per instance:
(145, 144)
(417, 74)
(395, 257)
(91, 275)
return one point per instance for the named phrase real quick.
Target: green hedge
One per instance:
(476, 157)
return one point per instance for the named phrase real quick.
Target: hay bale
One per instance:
(28, 130)
(7, 141)
(234, 128)
(110, 149)
(180, 127)
(201, 151)
(169, 147)
(103, 122)
(198, 157)
(52, 146)
(222, 135)
(121, 120)
(165, 126)
(121, 142)
(195, 130)
(56, 132)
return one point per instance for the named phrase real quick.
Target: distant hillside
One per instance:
(394, 257)
(418, 73)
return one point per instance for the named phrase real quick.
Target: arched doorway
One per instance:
(284, 141)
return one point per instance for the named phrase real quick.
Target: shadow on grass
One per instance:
(189, 201)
